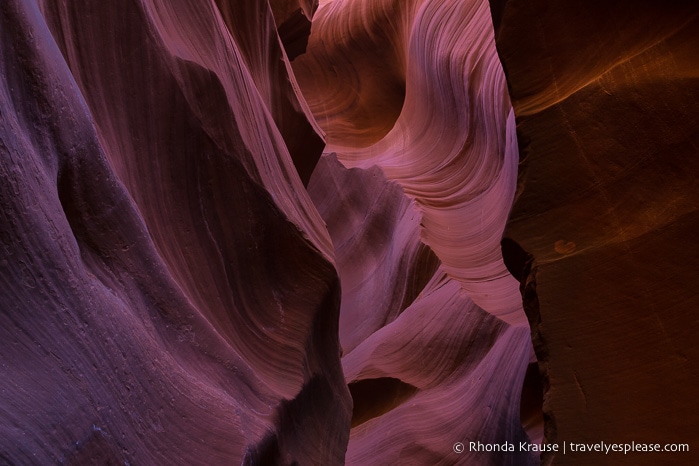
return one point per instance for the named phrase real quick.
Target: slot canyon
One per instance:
(362, 232)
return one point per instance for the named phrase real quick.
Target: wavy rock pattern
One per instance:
(145, 165)
(451, 147)
(184, 279)
(418, 116)
(371, 219)
(609, 209)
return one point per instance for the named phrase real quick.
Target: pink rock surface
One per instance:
(184, 279)
(417, 113)
(450, 144)
(144, 169)
(426, 366)
(370, 218)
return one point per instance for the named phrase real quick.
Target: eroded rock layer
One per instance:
(415, 188)
(167, 288)
(445, 132)
(185, 280)
(605, 98)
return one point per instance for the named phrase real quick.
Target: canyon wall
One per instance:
(168, 290)
(604, 228)
(346, 232)
(416, 185)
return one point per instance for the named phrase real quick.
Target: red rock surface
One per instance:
(605, 97)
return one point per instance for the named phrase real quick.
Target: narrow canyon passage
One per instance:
(415, 186)
(302, 232)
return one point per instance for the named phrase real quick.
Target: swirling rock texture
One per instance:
(167, 289)
(224, 241)
(171, 294)
(415, 186)
(605, 97)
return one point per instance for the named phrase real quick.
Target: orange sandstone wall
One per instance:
(605, 96)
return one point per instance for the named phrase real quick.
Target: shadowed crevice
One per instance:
(534, 408)
(531, 404)
(375, 397)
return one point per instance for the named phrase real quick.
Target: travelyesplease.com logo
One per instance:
(572, 447)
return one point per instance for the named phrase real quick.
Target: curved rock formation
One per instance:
(452, 147)
(417, 110)
(189, 275)
(608, 209)
(168, 292)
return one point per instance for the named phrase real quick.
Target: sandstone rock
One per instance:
(167, 294)
(608, 209)
(415, 107)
